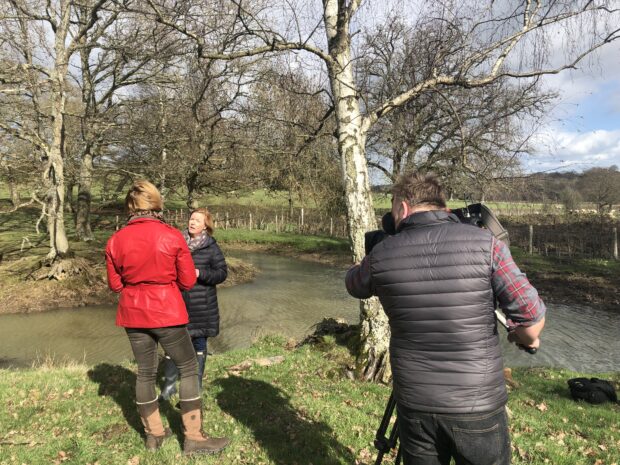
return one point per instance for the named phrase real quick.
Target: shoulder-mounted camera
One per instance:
(475, 214)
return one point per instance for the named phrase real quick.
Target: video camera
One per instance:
(475, 214)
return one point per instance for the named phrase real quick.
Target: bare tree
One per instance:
(39, 39)
(469, 136)
(487, 41)
(121, 53)
(295, 148)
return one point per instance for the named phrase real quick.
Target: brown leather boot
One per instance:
(153, 427)
(196, 442)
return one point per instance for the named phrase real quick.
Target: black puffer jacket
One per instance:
(201, 300)
(433, 279)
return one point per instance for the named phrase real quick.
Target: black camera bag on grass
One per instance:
(592, 390)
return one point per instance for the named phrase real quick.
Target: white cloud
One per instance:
(582, 130)
(561, 150)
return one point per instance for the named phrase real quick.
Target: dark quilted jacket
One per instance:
(433, 279)
(201, 300)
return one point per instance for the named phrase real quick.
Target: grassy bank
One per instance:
(300, 411)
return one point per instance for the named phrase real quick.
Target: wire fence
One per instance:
(300, 221)
(562, 236)
(584, 239)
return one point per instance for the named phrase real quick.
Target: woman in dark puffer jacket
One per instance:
(200, 300)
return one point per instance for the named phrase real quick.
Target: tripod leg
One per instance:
(385, 443)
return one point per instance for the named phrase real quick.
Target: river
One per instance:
(288, 297)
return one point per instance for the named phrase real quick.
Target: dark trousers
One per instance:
(178, 345)
(469, 438)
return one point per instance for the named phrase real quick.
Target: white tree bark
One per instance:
(372, 362)
(53, 176)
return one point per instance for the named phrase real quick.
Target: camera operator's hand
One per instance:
(513, 338)
(526, 337)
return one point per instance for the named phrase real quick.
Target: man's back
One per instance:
(434, 282)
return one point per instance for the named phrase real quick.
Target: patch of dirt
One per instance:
(28, 296)
(239, 272)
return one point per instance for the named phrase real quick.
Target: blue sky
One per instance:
(583, 130)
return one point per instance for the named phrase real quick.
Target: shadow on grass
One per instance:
(283, 432)
(118, 383)
(343, 334)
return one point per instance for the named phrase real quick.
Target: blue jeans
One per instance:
(200, 344)
(469, 438)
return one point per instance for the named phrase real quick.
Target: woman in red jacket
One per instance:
(149, 263)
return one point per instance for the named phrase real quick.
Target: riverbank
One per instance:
(280, 404)
(594, 283)
(26, 291)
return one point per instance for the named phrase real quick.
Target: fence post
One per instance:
(250, 221)
(531, 246)
(331, 226)
(615, 249)
(301, 226)
(226, 224)
(116, 223)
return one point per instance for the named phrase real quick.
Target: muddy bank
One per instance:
(21, 295)
(592, 291)
(335, 259)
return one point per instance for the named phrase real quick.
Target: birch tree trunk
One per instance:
(53, 175)
(373, 357)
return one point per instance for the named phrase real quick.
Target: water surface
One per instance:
(288, 297)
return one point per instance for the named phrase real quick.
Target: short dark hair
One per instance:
(417, 188)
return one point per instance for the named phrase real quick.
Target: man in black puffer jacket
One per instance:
(438, 280)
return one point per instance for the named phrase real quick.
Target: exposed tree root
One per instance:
(63, 268)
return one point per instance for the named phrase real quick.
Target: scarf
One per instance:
(197, 242)
(158, 215)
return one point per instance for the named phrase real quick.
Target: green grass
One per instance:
(261, 197)
(384, 202)
(300, 411)
(594, 267)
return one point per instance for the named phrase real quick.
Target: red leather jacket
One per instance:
(148, 262)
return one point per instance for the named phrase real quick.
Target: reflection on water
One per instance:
(288, 297)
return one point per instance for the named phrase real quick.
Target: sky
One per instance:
(583, 129)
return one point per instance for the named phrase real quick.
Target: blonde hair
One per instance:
(208, 219)
(143, 196)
